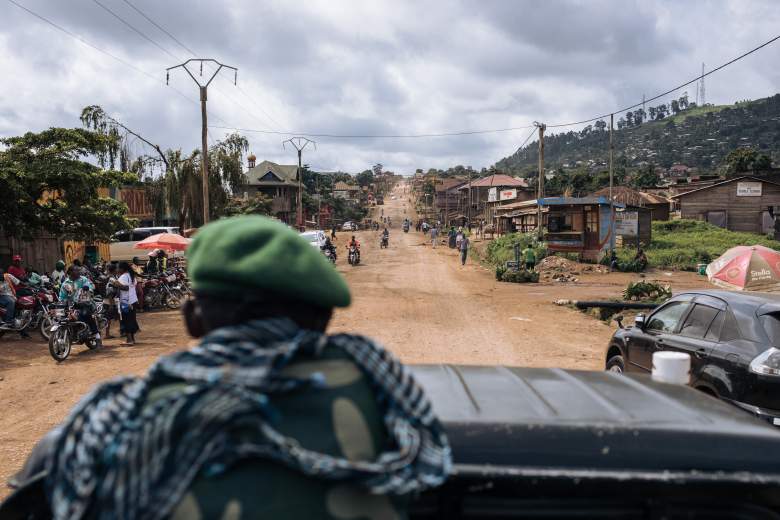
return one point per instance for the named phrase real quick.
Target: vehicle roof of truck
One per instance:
(507, 417)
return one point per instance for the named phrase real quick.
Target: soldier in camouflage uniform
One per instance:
(267, 418)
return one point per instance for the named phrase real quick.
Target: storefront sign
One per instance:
(508, 194)
(748, 189)
(626, 223)
(493, 195)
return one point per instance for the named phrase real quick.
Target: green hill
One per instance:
(696, 136)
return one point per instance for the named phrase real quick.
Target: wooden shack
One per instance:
(581, 225)
(739, 204)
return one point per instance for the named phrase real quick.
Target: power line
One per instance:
(678, 87)
(374, 136)
(186, 48)
(172, 37)
(132, 27)
(103, 51)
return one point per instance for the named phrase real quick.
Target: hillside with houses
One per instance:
(699, 137)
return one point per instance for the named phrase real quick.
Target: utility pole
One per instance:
(468, 213)
(299, 143)
(540, 182)
(204, 163)
(611, 173)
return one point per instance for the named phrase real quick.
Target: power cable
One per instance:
(678, 87)
(183, 46)
(374, 136)
(151, 21)
(132, 27)
(103, 51)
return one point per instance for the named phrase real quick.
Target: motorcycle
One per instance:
(32, 312)
(68, 329)
(353, 258)
(162, 291)
(406, 227)
(385, 242)
(330, 254)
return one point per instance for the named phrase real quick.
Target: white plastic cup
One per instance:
(672, 367)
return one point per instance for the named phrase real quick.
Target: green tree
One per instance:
(365, 178)
(259, 204)
(645, 177)
(48, 186)
(743, 160)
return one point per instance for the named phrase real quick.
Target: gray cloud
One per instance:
(375, 67)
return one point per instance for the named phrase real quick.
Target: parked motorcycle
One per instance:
(68, 329)
(162, 291)
(353, 258)
(32, 312)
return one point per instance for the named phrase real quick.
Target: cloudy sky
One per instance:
(373, 67)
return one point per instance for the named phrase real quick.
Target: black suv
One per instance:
(732, 339)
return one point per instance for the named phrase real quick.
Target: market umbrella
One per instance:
(168, 241)
(746, 268)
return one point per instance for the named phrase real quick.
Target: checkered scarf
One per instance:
(120, 456)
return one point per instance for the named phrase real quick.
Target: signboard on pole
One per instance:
(493, 195)
(626, 223)
(507, 194)
(748, 189)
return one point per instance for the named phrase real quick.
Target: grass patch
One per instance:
(501, 250)
(681, 244)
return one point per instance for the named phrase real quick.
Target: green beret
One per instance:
(253, 255)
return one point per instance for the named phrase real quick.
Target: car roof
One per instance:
(541, 417)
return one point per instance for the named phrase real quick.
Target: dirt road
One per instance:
(419, 301)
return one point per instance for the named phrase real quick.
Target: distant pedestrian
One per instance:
(479, 229)
(451, 237)
(530, 257)
(459, 238)
(333, 232)
(434, 236)
(464, 250)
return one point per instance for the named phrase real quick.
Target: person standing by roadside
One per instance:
(464, 249)
(127, 300)
(58, 275)
(530, 257)
(112, 312)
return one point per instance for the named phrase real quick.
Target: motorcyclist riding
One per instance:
(329, 247)
(72, 291)
(354, 242)
(385, 237)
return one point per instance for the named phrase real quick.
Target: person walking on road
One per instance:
(530, 257)
(464, 249)
(434, 236)
(268, 416)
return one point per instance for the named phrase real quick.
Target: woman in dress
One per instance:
(127, 299)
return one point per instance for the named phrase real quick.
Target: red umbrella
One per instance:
(746, 268)
(168, 241)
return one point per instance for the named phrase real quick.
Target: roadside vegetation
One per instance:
(682, 244)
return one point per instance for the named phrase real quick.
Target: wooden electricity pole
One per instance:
(540, 183)
(611, 173)
(204, 163)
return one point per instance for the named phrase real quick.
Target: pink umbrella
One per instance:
(167, 241)
(746, 268)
